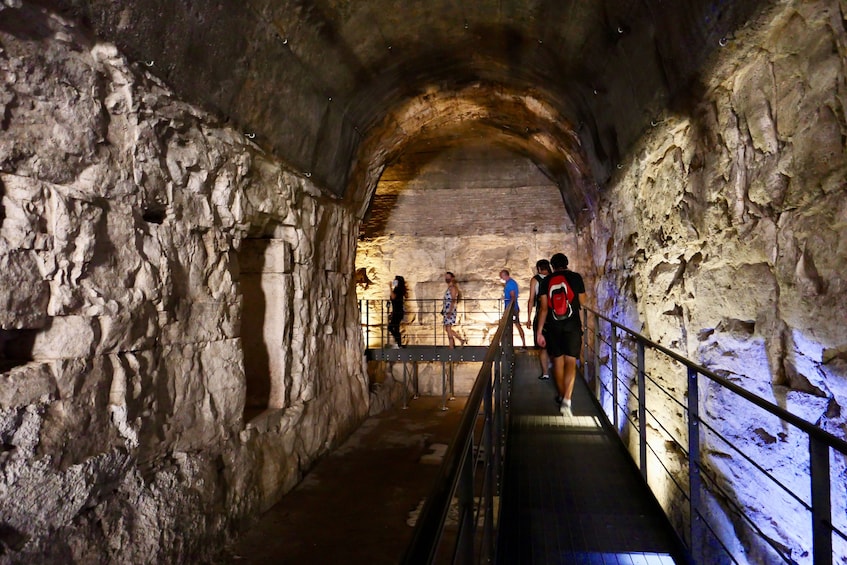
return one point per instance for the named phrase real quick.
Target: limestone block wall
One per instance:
(122, 388)
(723, 237)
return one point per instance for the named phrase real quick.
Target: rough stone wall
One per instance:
(122, 380)
(724, 236)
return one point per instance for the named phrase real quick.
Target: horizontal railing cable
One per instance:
(834, 442)
(640, 386)
(717, 538)
(668, 472)
(741, 514)
(422, 323)
(656, 419)
(758, 467)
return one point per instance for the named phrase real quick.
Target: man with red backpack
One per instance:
(561, 333)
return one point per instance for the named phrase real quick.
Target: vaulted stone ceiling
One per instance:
(339, 88)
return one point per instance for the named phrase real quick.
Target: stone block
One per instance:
(200, 321)
(24, 294)
(53, 133)
(265, 256)
(22, 212)
(76, 425)
(66, 337)
(127, 331)
(28, 384)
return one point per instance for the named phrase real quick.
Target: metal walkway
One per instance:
(571, 494)
(427, 353)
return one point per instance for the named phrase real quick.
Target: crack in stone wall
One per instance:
(723, 237)
(122, 211)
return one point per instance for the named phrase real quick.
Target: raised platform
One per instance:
(428, 353)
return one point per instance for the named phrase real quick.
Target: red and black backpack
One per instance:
(560, 297)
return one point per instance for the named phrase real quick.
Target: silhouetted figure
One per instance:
(398, 310)
(542, 268)
(561, 294)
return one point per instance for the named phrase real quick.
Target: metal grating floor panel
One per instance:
(571, 494)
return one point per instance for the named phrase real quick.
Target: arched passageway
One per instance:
(473, 209)
(697, 148)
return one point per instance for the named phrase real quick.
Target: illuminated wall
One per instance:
(472, 210)
(722, 236)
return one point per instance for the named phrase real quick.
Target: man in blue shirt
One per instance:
(510, 295)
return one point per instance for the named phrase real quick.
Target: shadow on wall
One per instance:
(266, 288)
(256, 359)
(16, 348)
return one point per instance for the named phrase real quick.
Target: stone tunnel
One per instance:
(188, 189)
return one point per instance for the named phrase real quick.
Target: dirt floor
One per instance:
(353, 507)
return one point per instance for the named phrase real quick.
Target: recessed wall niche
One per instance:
(267, 290)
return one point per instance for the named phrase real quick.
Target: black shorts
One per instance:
(535, 332)
(563, 340)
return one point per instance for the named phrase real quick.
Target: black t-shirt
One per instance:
(397, 301)
(537, 281)
(577, 286)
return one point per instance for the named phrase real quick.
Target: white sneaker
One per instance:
(395, 346)
(565, 410)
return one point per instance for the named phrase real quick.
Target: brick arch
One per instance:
(521, 120)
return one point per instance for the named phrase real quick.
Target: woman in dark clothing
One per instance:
(398, 295)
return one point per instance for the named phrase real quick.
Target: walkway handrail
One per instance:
(699, 526)
(423, 324)
(782, 413)
(455, 477)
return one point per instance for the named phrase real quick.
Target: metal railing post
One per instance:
(497, 368)
(405, 387)
(694, 481)
(597, 387)
(585, 344)
(614, 345)
(464, 545)
(821, 502)
(443, 385)
(434, 323)
(490, 470)
(642, 412)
